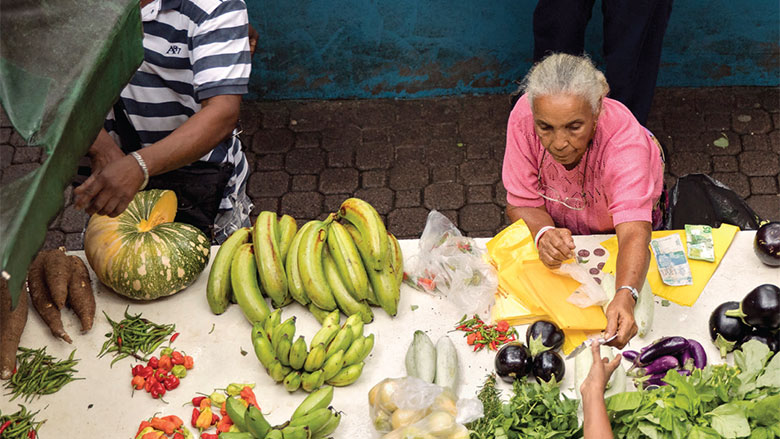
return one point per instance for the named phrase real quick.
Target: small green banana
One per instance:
(385, 290)
(396, 258)
(256, 422)
(340, 343)
(264, 351)
(344, 299)
(243, 278)
(347, 375)
(219, 289)
(285, 328)
(329, 427)
(283, 350)
(369, 224)
(298, 353)
(310, 381)
(368, 346)
(313, 242)
(278, 371)
(333, 365)
(320, 398)
(355, 351)
(315, 420)
(301, 432)
(292, 381)
(334, 317)
(348, 262)
(270, 264)
(287, 229)
(315, 359)
(272, 322)
(326, 333)
(319, 314)
(294, 282)
(273, 434)
(356, 326)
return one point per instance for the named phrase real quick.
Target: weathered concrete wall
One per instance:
(420, 48)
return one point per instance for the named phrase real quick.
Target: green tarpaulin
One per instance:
(62, 65)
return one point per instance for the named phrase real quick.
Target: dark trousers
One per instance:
(633, 38)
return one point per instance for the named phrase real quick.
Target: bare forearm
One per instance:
(634, 255)
(535, 217)
(195, 137)
(596, 421)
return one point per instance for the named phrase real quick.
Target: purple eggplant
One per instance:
(765, 337)
(686, 360)
(664, 346)
(548, 365)
(726, 331)
(630, 355)
(543, 335)
(698, 354)
(513, 361)
(760, 308)
(659, 366)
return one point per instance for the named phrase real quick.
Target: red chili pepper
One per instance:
(196, 400)
(119, 341)
(502, 337)
(478, 336)
(31, 434)
(158, 390)
(502, 326)
(208, 436)
(214, 418)
(160, 374)
(143, 425)
(195, 414)
(151, 381)
(249, 396)
(177, 358)
(153, 362)
(476, 347)
(146, 372)
(189, 363)
(178, 436)
(5, 425)
(174, 336)
(138, 382)
(493, 345)
(165, 363)
(171, 382)
(136, 370)
(470, 338)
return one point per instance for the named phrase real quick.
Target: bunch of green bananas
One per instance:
(347, 266)
(335, 355)
(313, 419)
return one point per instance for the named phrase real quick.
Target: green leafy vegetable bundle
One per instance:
(719, 401)
(533, 411)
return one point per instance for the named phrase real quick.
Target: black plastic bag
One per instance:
(700, 199)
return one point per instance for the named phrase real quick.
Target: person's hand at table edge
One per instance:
(596, 421)
(555, 246)
(620, 319)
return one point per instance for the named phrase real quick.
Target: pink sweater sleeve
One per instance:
(520, 168)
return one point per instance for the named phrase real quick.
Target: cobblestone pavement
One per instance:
(409, 156)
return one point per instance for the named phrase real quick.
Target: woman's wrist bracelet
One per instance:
(540, 233)
(145, 170)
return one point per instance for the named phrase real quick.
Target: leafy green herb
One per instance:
(719, 401)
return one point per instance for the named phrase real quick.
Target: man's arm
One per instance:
(633, 261)
(110, 190)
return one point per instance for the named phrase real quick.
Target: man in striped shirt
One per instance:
(183, 103)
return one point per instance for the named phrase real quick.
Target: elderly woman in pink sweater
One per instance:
(578, 162)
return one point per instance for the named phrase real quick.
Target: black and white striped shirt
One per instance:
(193, 50)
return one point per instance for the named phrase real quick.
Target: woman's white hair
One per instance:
(561, 73)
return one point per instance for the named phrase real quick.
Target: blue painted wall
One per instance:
(314, 49)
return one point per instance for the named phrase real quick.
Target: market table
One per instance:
(102, 405)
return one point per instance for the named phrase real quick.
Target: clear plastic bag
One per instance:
(589, 293)
(451, 264)
(410, 407)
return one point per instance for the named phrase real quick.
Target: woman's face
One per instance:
(565, 125)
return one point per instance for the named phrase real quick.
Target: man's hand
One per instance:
(253, 38)
(620, 319)
(555, 246)
(103, 151)
(110, 190)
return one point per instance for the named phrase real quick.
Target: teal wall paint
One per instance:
(313, 49)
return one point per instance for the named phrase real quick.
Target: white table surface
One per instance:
(102, 406)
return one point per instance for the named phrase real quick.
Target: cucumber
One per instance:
(421, 358)
(446, 364)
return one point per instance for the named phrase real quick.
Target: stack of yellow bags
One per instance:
(528, 291)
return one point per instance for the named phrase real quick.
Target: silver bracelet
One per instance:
(632, 290)
(142, 164)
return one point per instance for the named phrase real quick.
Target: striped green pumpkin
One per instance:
(142, 254)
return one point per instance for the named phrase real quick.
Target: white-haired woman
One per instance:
(578, 162)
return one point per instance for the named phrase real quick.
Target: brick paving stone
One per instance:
(14, 172)
(473, 217)
(756, 142)
(694, 142)
(261, 204)
(479, 194)
(441, 174)
(442, 153)
(374, 156)
(407, 223)
(272, 140)
(73, 220)
(735, 181)
(4, 122)
(408, 111)
(441, 196)
(451, 215)
(717, 121)
(269, 162)
(376, 113)
(337, 134)
(6, 156)
(5, 135)
(250, 119)
(332, 202)
(689, 163)
(757, 163)
(408, 174)
(16, 140)
(373, 179)
(677, 123)
(498, 151)
(339, 180)
(766, 206)
(308, 139)
(275, 116)
(500, 191)
(380, 197)
(376, 135)
(311, 116)
(446, 130)
(407, 153)
(441, 110)
(304, 183)
(302, 205)
(774, 140)
(74, 241)
(763, 185)
(725, 163)
(304, 161)
(749, 97)
(54, 239)
(751, 120)
(481, 234)
(341, 157)
(480, 172)
(479, 149)
(407, 198)
(776, 120)
(268, 184)
(714, 100)
(416, 132)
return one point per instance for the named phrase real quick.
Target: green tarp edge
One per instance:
(32, 201)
